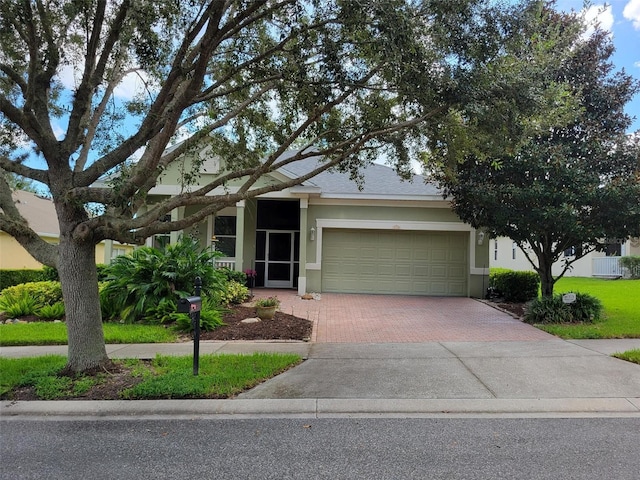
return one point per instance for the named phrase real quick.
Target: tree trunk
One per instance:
(79, 279)
(546, 277)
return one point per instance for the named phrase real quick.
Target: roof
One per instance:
(378, 180)
(39, 212)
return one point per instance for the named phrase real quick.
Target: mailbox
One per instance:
(189, 305)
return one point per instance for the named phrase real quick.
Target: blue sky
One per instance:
(622, 19)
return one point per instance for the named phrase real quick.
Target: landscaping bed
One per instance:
(282, 327)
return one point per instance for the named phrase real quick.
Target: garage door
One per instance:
(395, 262)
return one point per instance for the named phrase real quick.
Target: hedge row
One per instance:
(515, 286)
(9, 278)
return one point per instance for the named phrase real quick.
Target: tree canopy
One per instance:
(572, 188)
(348, 80)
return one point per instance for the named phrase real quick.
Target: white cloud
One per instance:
(632, 12)
(637, 64)
(600, 15)
(132, 84)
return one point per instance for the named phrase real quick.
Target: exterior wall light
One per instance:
(312, 234)
(480, 238)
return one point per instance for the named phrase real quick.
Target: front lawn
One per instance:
(621, 301)
(49, 333)
(629, 355)
(165, 377)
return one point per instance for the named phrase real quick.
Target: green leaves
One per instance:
(571, 178)
(139, 283)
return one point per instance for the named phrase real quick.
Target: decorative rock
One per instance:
(307, 296)
(251, 320)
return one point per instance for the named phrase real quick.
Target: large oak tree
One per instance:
(350, 80)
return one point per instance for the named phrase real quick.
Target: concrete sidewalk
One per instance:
(519, 378)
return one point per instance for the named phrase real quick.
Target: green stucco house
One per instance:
(327, 235)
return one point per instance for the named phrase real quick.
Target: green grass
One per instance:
(621, 301)
(17, 372)
(49, 333)
(629, 355)
(220, 376)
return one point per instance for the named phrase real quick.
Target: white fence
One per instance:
(230, 264)
(607, 267)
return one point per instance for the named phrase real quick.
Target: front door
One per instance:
(280, 259)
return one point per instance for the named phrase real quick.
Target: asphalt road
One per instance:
(364, 448)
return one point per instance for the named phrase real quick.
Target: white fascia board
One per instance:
(361, 196)
(420, 203)
(392, 225)
(306, 190)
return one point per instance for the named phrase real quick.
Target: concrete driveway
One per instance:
(359, 318)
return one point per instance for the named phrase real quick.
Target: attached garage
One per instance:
(395, 262)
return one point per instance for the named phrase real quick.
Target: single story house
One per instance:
(41, 216)
(327, 235)
(504, 253)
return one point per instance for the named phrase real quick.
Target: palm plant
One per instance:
(138, 282)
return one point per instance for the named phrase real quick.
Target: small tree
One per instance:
(572, 187)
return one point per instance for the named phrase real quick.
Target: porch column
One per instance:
(240, 235)
(176, 214)
(108, 251)
(304, 234)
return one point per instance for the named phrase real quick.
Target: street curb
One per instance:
(324, 408)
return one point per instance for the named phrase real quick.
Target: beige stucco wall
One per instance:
(14, 256)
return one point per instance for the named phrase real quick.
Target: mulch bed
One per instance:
(282, 327)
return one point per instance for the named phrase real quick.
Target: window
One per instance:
(513, 250)
(613, 249)
(161, 241)
(224, 229)
(495, 249)
(117, 252)
(570, 252)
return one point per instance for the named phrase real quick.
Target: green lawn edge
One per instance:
(49, 333)
(621, 316)
(165, 377)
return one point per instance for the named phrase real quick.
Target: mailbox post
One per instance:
(192, 306)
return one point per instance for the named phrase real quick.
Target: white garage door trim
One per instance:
(352, 224)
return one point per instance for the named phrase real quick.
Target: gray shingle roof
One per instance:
(378, 180)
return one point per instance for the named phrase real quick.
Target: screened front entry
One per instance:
(277, 243)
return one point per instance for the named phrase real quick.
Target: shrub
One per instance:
(210, 318)
(585, 309)
(18, 303)
(631, 264)
(102, 271)
(165, 312)
(234, 294)
(45, 293)
(9, 278)
(233, 275)
(50, 273)
(137, 283)
(516, 286)
(51, 312)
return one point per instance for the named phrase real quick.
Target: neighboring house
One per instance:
(505, 253)
(41, 217)
(326, 235)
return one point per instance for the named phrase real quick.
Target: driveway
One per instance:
(359, 318)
